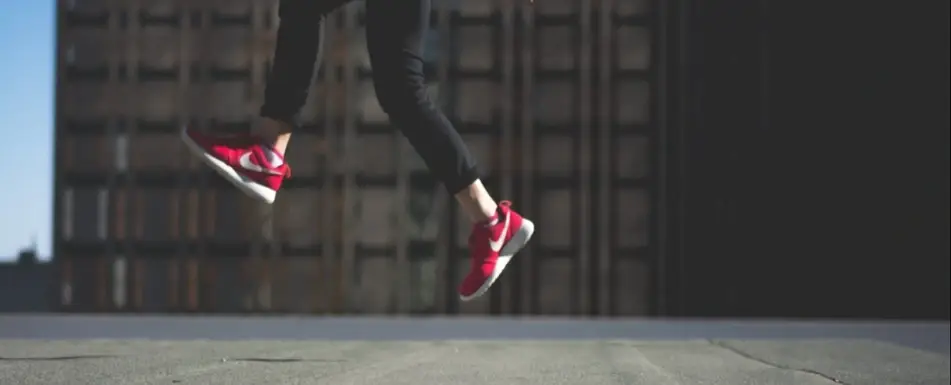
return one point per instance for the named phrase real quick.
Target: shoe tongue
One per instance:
(270, 157)
(494, 220)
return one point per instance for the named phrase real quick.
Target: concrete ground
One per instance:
(104, 350)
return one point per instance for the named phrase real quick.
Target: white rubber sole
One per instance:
(246, 185)
(518, 241)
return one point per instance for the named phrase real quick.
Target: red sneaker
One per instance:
(241, 160)
(491, 249)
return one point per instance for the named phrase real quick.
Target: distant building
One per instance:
(26, 284)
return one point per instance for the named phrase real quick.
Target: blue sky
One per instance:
(27, 36)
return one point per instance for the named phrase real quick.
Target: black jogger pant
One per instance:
(395, 34)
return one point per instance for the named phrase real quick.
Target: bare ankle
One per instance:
(477, 203)
(274, 133)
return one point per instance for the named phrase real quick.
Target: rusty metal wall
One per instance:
(555, 99)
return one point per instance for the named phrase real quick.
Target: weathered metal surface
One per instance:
(554, 99)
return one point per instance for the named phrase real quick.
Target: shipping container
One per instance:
(556, 100)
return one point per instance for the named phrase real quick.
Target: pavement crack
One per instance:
(57, 358)
(741, 353)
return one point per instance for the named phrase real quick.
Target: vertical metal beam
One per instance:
(174, 284)
(660, 197)
(258, 66)
(138, 277)
(192, 291)
(684, 103)
(527, 119)
(253, 213)
(65, 298)
(671, 68)
(584, 193)
(184, 65)
(133, 44)
(444, 239)
(507, 146)
(764, 45)
(330, 202)
(401, 281)
(186, 39)
(506, 141)
(208, 196)
(350, 190)
(604, 158)
(64, 285)
(101, 278)
(265, 213)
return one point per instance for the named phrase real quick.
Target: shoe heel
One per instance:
(519, 240)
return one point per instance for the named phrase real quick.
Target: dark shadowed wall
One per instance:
(814, 160)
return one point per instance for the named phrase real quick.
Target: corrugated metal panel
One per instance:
(555, 100)
(155, 151)
(158, 286)
(86, 154)
(84, 283)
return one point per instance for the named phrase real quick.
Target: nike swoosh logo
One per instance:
(496, 244)
(245, 161)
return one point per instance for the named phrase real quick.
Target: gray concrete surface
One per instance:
(296, 350)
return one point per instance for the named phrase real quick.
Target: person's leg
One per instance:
(254, 162)
(395, 36)
(395, 33)
(296, 58)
